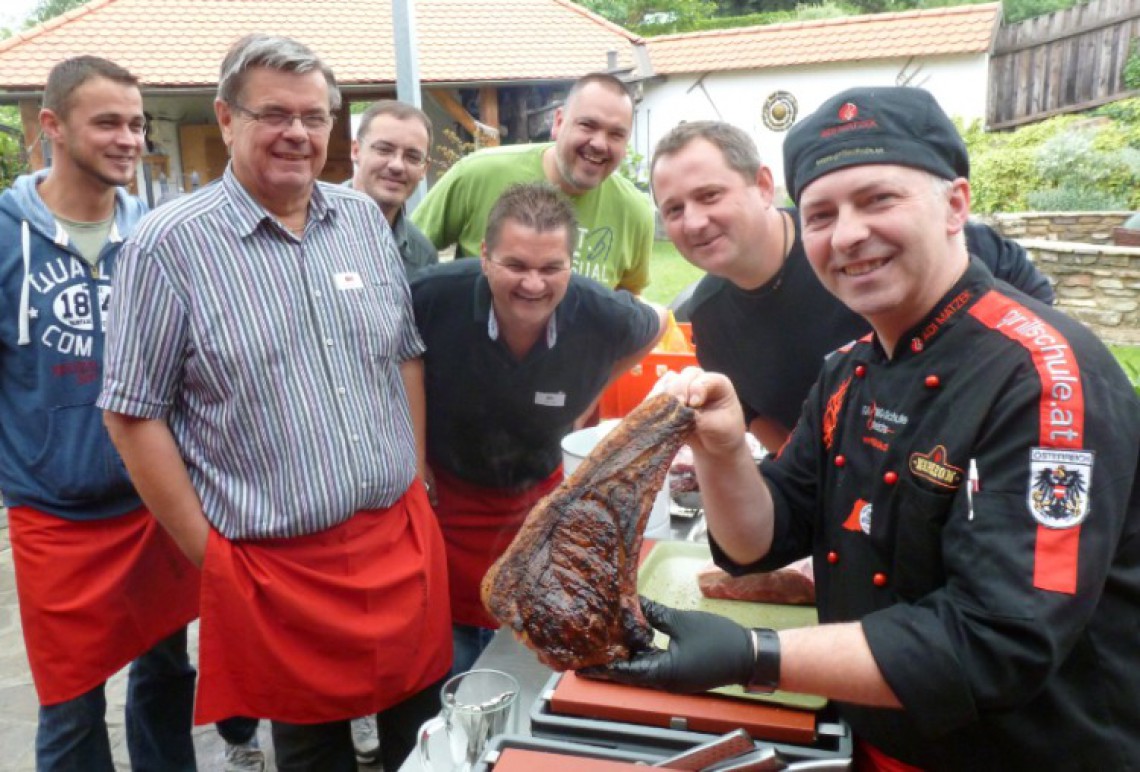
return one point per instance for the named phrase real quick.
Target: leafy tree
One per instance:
(1020, 10)
(657, 17)
(13, 159)
(747, 7)
(661, 15)
(43, 10)
(49, 9)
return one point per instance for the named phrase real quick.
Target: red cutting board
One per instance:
(520, 760)
(574, 696)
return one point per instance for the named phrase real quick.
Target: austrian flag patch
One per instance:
(1059, 483)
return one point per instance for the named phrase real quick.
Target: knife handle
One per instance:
(763, 760)
(712, 752)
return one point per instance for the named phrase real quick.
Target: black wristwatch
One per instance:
(765, 660)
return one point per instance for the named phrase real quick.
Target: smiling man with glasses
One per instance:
(391, 157)
(265, 389)
(518, 347)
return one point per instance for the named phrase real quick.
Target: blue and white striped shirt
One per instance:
(275, 360)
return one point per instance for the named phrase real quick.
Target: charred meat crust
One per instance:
(567, 584)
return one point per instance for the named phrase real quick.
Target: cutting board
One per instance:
(520, 760)
(668, 575)
(574, 696)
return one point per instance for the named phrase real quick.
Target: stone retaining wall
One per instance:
(1098, 285)
(1085, 227)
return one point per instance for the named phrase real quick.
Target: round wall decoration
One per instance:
(779, 111)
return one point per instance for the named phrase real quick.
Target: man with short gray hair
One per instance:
(265, 388)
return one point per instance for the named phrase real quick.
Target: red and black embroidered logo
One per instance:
(934, 467)
(848, 111)
(946, 314)
(831, 413)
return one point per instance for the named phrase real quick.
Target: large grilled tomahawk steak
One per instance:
(567, 584)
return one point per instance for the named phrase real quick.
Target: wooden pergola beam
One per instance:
(30, 121)
(485, 130)
(452, 107)
(489, 112)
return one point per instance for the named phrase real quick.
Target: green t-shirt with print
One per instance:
(615, 219)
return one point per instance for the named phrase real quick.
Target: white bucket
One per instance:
(577, 445)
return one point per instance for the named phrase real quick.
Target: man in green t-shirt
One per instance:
(590, 134)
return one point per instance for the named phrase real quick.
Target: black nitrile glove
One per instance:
(705, 651)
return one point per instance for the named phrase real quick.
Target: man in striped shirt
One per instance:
(264, 385)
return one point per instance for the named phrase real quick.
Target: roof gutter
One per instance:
(37, 94)
(643, 69)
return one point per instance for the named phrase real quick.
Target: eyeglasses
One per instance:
(522, 270)
(314, 123)
(388, 152)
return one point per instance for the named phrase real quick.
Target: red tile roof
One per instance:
(172, 43)
(957, 30)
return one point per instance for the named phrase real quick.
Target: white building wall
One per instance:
(958, 83)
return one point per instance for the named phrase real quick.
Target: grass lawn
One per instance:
(669, 273)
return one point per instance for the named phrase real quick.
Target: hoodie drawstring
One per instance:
(25, 311)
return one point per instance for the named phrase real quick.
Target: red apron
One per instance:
(95, 594)
(868, 758)
(328, 626)
(478, 525)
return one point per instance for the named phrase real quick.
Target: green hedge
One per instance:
(1070, 162)
(1129, 359)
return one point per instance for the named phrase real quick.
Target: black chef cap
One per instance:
(874, 125)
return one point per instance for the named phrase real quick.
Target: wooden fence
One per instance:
(1061, 62)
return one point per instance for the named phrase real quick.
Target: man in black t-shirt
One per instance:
(761, 316)
(517, 349)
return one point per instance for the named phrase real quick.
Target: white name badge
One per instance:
(348, 281)
(557, 399)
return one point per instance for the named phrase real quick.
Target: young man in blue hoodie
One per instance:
(100, 583)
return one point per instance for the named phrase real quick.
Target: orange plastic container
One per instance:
(626, 392)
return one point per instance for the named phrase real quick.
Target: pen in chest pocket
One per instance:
(973, 485)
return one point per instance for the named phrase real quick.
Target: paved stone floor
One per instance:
(18, 705)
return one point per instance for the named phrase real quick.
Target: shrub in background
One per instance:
(1002, 164)
(1073, 199)
(1067, 163)
(1131, 73)
(1124, 111)
(633, 168)
(13, 159)
(1093, 162)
